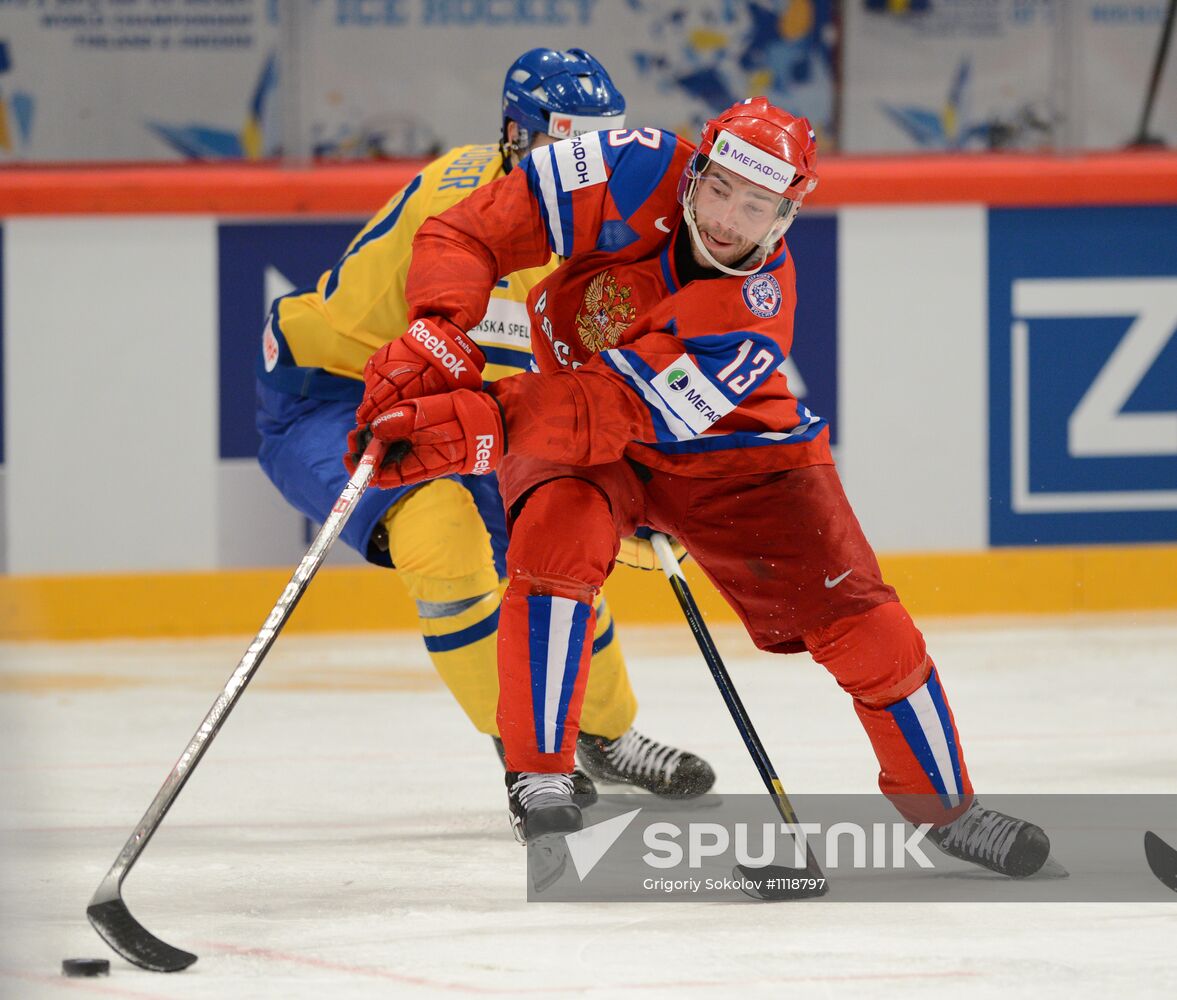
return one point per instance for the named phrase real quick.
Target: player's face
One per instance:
(733, 215)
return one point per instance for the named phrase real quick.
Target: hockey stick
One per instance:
(811, 880)
(107, 911)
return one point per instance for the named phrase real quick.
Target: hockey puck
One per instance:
(85, 967)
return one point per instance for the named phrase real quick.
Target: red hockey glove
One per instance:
(457, 432)
(429, 358)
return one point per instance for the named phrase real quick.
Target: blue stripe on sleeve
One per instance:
(535, 184)
(382, 228)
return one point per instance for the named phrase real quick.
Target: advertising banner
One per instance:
(1001, 74)
(208, 79)
(136, 80)
(947, 75)
(1083, 375)
(420, 75)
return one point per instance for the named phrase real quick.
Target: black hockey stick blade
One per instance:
(1162, 859)
(113, 921)
(776, 883)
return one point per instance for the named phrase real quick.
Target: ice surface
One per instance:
(346, 834)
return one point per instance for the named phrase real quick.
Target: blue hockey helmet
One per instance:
(559, 93)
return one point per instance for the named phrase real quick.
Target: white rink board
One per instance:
(346, 835)
(110, 402)
(912, 359)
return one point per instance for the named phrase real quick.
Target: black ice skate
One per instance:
(541, 804)
(634, 759)
(584, 792)
(1010, 846)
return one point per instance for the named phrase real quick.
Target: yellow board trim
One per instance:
(230, 602)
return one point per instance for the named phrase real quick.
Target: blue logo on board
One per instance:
(1083, 375)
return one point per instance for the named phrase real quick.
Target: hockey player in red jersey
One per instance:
(661, 401)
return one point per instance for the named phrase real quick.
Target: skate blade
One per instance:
(776, 884)
(547, 858)
(1051, 869)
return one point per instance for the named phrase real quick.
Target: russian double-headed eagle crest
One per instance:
(605, 313)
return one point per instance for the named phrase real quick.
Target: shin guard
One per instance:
(880, 659)
(543, 670)
(547, 622)
(921, 766)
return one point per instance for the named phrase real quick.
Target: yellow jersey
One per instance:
(317, 341)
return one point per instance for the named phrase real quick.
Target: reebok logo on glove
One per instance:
(483, 449)
(438, 348)
(427, 360)
(385, 417)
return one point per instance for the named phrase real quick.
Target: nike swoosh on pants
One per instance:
(830, 584)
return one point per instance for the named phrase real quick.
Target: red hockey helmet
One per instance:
(766, 146)
(785, 138)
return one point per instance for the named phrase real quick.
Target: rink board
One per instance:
(992, 339)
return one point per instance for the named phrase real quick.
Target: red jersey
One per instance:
(686, 378)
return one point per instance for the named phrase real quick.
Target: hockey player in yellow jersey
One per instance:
(447, 538)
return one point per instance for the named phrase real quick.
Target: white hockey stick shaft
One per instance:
(124, 939)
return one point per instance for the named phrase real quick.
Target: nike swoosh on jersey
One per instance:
(660, 223)
(830, 584)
